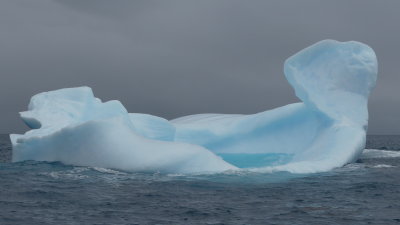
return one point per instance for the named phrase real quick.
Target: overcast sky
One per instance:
(174, 58)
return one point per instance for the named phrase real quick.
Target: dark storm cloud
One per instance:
(173, 58)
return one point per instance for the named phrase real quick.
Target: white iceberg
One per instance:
(326, 130)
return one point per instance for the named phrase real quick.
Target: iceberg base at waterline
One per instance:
(326, 130)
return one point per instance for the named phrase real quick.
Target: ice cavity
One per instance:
(326, 130)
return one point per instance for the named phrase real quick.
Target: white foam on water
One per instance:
(108, 171)
(383, 166)
(73, 174)
(376, 153)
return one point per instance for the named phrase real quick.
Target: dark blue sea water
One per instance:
(365, 192)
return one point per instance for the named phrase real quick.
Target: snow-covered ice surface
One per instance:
(326, 130)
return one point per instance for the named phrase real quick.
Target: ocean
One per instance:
(364, 192)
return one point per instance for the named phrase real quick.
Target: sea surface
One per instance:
(365, 192)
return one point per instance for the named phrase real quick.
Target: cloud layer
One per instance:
(173, 58)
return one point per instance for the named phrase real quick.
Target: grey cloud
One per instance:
(173, 58)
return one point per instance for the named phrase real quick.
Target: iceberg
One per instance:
(326, 130)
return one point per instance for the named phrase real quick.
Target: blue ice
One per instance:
(327, 129)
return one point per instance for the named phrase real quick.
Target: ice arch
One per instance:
(326, 130)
